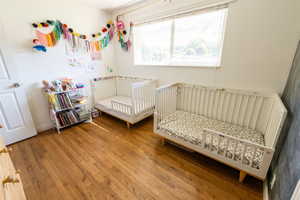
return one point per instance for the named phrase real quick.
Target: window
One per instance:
(194, 40)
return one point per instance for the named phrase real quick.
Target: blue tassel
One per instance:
(40, 48)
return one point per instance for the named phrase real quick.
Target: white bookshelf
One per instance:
(65, 112)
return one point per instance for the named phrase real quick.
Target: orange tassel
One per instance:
(53, 38)
(97, 46)
(49, 40)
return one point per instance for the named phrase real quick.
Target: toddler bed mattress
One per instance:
(189, 127)
(105, 104)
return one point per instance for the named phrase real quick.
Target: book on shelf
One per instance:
(60, 101)
(68, 118)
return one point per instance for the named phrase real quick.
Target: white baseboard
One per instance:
(44, 127)
(265, 190)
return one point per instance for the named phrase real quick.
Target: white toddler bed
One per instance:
(128, 98)
(238, 128)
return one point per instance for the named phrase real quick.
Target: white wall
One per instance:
(260, 43)
(16, 18)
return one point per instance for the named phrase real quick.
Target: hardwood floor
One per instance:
(105, 160)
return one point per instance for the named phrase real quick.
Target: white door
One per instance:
(15, 118)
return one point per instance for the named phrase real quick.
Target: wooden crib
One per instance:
(128, 98)
(236, 127)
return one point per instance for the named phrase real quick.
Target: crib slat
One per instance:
(196, 100)
(217, 104)
(234, 149)
(204, 139)
(212, 103)
(201, 101)
(226, 147)
(245, 110)
(222, 105)
(208, 102)
(238, 109)
(212, 100)
(241, 111)
(234, 101)
(259, 109)
(253, 156)
(219, 142)
(193, 101)
(223, 114)
(243, 153)
(227, 107)
(211, 142)
(252, 112)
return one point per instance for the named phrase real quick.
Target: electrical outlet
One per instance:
(273, 179)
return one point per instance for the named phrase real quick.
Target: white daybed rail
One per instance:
(252, 111)
(128, 98)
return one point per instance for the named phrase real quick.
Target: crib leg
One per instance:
(242, 176)
(162, 141)
(128, 124)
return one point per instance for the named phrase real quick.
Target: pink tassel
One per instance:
(42, 38)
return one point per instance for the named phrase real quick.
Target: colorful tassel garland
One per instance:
(75, 42)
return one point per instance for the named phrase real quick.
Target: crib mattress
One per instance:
(189, 127)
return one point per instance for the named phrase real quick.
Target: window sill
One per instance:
(178, 66)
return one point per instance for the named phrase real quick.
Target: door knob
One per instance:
(16, 85)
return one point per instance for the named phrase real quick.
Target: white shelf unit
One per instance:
(64, 112)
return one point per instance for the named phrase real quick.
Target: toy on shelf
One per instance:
(58, 85)
(68, 84)
(62, 85)
(47, 86)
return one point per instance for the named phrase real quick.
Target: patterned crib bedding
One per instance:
(189, 127)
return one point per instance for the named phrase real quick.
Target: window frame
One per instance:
(186, 65)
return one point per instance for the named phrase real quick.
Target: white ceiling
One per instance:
(109, 4)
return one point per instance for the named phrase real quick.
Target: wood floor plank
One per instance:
(106, 160)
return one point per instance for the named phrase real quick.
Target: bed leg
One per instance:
(128, 124)
(242, 176)
(162, 141)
